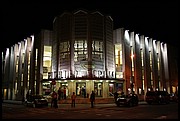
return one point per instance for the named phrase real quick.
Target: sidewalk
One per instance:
(83, 106)
(67, 106)
(78, 106)
(12, 102)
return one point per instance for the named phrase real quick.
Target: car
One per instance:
(48, 97)
(158, 97)
(173, 97)
(129, 100)
(36, 101)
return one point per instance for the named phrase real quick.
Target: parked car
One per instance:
(127, 100)
(36, 101)
(48, 97)
(159, 97)
(173, 97)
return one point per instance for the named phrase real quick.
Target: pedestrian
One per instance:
(92, 99)
(54, 100)
(122, 94)
(73, 98)
(27, 95)
(23, 99)
(64, 91)
(59, 93)
(115, 96)
(84, 91)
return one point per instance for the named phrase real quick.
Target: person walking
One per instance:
(23, 99)
(122, 94)
(64, 91)
(59, 93)
(115, 96)
(73, 98)
(92, 99)
(54, 100)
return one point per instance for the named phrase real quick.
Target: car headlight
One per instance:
(122, 98)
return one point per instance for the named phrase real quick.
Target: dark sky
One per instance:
(158, 20)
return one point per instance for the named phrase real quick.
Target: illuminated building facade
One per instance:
(83, 53)
(146, 63)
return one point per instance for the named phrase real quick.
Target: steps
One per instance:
(87, 100)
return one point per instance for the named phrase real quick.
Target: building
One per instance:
(146, 63)
(83, 53)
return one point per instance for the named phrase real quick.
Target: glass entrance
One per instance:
(81, 89)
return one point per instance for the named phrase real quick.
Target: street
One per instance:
(111, 111)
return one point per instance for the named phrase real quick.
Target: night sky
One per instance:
(158, 20)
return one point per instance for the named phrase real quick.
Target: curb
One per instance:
(20, 103)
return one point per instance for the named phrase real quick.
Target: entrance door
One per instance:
(81, 89)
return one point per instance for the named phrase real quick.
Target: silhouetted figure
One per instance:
(54, 100)
(115, 96)
(27, 95)
(92, 99)
(23, 99)
(59, 93)
(84, 92)
(73, 98)
(122, 94)
(64, 91)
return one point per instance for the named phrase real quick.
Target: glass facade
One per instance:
(84, 53)
(47, 61)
